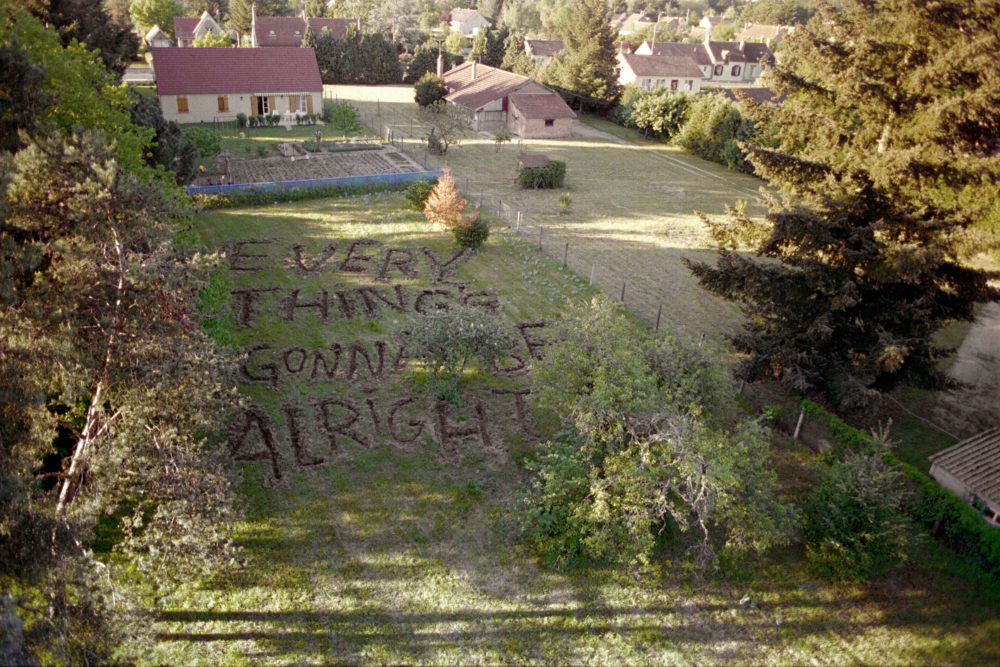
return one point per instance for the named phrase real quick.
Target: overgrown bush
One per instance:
(429, 89)
(209, 143)
(342, 117)
(416, 193)
(713, 129)
(551, 175)
(449, 340)
(661, 454)
(241, 120)
(267, 197)
(852, 522)
(471, 233)
(661, 112)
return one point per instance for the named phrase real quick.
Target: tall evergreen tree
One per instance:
(515, 59)
(588, 64)
(887, 171)
(315, 9)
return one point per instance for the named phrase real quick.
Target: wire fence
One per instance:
(408, 136)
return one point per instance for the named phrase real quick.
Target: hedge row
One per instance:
(952, 521)
(551, 175)
(264, 197)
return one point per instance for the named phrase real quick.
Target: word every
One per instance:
(244, 258)
(253, 435)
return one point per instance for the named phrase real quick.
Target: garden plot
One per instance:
(386, 160)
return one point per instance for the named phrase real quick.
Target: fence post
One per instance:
(499, 208)
(518, 228)
(539, 236)
(591, 283)
(622, 298)
(659, 311)
(565, 254)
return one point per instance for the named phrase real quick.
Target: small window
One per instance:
(270, 33)
(673, 84)
(549, 122)
(688, 84)
(718, 70)
(298, 32)
(182, 104)
(736, 70)
(223, 103)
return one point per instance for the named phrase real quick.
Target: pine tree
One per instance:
(887, 168)
(308, 37)
(588, 65)
(315, 9)
(515, 59)
(445, 204)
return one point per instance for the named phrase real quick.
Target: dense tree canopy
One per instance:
(887, 168)
(113, 395)
(88, 22)
(147, 13)
(588, 64)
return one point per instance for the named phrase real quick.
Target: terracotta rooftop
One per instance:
(541, 105)
(975, 462)
(185, 71)
(764, 31)
(489, 84)
(696, 52)
(662, 65)
(289, 30)
(184, 27)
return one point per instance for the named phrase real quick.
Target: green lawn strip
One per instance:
(403, 554)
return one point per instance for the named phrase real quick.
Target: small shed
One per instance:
(971, 470)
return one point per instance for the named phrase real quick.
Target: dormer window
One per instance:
(298, 32)
(270, 33)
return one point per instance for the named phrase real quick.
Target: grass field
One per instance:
(393, 552)
(632, 216)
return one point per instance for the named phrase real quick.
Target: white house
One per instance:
(467, 21)
(215, 84)
(187, 29)
(156, 37)
(650, 72)
(543, 50)
(720, 62)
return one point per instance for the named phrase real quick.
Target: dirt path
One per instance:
(976, 363)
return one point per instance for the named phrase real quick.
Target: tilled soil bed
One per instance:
(386, 160)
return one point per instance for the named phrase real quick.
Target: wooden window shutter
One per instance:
(182, 105)
(291, 103)
(271, 108)
(309, 103)
(223, 103)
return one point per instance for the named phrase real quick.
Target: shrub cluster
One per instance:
(208, 142)
(429, 89)
(472, 233)
(265, 197)
(416, 193)
(306, 119)
(342, 117)
(551, 175)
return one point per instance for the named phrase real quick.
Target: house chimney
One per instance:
(440, 63)
(474, 69)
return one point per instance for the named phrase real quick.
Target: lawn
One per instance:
(396, 548)
(633, 212)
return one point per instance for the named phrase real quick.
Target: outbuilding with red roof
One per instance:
(215, 84)
(497, 99)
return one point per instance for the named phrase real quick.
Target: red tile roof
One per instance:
(186, 71)
(662, 65)
(696, 52)
(490, 84)
(533, 105)
(289, 30)
(184, 27)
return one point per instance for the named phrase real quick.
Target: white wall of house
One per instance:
(538, 128)
(471, 26)
(686, 84)
(206, 108)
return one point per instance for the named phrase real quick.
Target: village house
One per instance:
(187, 28)
(467, 21)
(215, 84)
(268, 31)
(543, 50)
(971, 470)
(157, 38)
(651, 72)
(720, 62)
(762, 32)
(496, 99)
